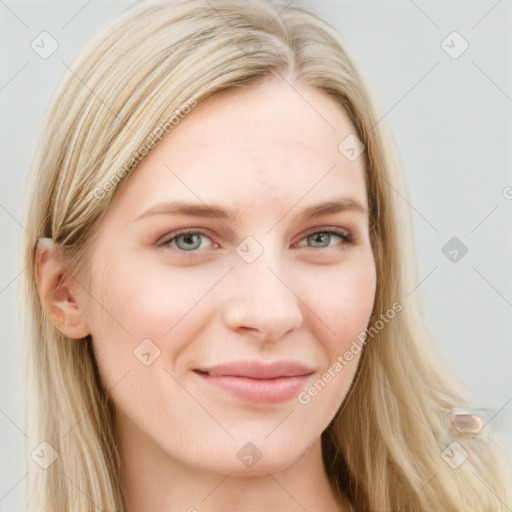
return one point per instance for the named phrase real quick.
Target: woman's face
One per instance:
(210, 341)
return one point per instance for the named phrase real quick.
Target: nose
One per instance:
(262, 301)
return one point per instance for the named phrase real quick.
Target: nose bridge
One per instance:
(261, 299)
(262, 282)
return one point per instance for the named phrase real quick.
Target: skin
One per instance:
(269, 151)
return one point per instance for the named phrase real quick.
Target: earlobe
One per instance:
(56, 290)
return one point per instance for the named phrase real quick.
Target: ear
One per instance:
(56, 289)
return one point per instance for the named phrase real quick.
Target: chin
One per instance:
(258, 458)
(266, 465)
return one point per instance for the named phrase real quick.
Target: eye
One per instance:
(325, 237)
(188, 240)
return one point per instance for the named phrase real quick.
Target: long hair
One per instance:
(385, 449)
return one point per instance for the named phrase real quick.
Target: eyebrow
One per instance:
(212, 210)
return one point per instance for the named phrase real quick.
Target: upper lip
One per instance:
(258, 369)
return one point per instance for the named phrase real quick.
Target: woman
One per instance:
(219, 315)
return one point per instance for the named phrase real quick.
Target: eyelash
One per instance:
(344, 234)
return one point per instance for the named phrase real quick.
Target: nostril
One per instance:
(243, 328)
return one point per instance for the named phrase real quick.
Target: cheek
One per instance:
(344, 303)
(151, 303)
(343, 306)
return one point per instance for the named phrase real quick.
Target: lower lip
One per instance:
(261, 391)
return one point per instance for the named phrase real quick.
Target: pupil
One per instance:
(189, 240)
(321, 238)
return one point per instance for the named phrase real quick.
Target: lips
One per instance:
(257, 381)
(259, 370)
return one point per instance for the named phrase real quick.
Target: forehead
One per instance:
(266, 145)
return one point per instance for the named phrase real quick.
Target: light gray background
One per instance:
(451, 120)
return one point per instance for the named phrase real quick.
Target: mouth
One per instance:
(256, 381)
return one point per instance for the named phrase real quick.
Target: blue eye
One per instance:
(187, 240)
(192, 241)
(326, 237)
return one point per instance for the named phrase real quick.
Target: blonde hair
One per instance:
(383, 450)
